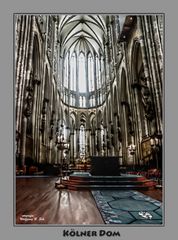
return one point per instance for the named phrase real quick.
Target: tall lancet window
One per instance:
(82, 75)
(82, 140)
(90, 73)
(98, 76)
(66, 71)
(73, 72)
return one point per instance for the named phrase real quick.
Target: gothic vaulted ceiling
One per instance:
(82, 33)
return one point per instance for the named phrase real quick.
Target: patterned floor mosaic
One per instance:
(128, 207)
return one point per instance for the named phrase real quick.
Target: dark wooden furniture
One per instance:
(104, 166)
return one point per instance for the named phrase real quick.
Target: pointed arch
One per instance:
(36, 58)
(136, 60)
(123, 86)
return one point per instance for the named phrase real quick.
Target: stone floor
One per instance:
(128, 207)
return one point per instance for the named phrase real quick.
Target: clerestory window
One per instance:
(82, 73)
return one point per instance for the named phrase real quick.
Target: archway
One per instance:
(124, 116)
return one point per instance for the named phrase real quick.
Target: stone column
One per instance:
(87, 143)
(43, 101)
(72, 147)
(99, 140)
(104, 73)
(154, 77)
(77, 143)
(95, 83)
(93, 145)
(69, 85)
(87, 83)
(77, 82)
(22, 80)
(158, 44)
(23, 67)
(19, 64)
(116, 142)
(138, 123)
(35, 116)
(90, 143)
(23, 141)
(125, 139)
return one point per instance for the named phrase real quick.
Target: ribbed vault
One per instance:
(82, 33)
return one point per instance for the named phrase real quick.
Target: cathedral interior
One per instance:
(88, 109)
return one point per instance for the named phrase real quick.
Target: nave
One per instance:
(89, 86)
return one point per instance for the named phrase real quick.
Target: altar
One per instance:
(104, 166)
